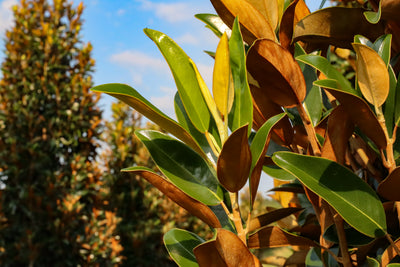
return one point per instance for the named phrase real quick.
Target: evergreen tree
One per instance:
(53, 195)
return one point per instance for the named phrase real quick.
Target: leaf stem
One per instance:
(342, 238)
(310, 130)
(392, 244)
(237, 219)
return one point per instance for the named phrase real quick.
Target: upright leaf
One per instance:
(222, 79)
(214, 23)
(185, 79)
(277, 72)
(350, 196)
(184, 167)
(242, 110)
(269, 9)
(254, 24)
(180, 245)
(131, 97)
(234, 162)
(372, 75)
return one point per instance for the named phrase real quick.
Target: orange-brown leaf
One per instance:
(234, 162)
(194, 207)
(390, 9)
(287, 27)
(253, 24)
(389, 253)
(389, 188)
(277, 72)
(273, 236)
(270, 217)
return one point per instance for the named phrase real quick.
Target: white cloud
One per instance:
(165, 103)
(6, 16)
(186, 39)
(139, 61)
(121, 12)
(171, 12)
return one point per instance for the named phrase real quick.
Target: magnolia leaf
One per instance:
(234, 162)
(180, 245)
(358, 110)
(194, 207)
(389, 253)
(278, 173)
(131, 97)
(389, 188)
(270, 217)
(222, 78)
(353, 237)
(335, 26)
(350, 196)
(185, 79)
(373, 17)
(242, 110)
(182, 166)
(254, 24)
(273, 236)
(263, 109)
(277, 72)
(390, 10)
(269, 9)
(287, 26)
(371, 262)
(372, 75)
(214, 23)
(226, 250)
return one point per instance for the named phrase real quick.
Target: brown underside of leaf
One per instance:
(390, 187)
(287, 27)
(194, 207)
(277, 73)
(234, 162)
(336, 26)
(389, 253)
(361, 115)
(340, 128)
(207, 255)
(390, 10)
(273, 236)
(270, 217)
(253, 24)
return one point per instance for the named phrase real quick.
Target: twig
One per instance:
(342, 238)
(310, 130)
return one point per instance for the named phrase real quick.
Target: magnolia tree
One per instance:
(279, 105)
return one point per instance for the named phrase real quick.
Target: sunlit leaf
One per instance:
(234, 162)
(184, 167)
(382, 45)
(180, 245)
(372, 75)
(131, 97)
(335, 26)
(358, 110)
(389, 253)
(278, 173)
(269, 9)
(193, 206)
(231, 251)
(350, 196)
(214, 22)
(373, 17)
(254, 24)
(273, 236)
(313, 104)
(270, 217)
(277, 72)
(222, 78)
(185, 79)
(242, 110)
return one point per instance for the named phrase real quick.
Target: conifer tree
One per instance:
(53, 195)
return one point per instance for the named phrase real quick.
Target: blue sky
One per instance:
(124, 54)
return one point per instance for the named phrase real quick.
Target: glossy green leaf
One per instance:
(180, 245)
(350, 196)
(397, 105)
(390, 104)
(185, 79)
(353, 237)
(313, 104)
(382, 46)
(371, 262)
(214, 23)
(234, 161)
(184, 167)
(372, 75)
(278, 173)
(131, 97)
(185, 122)
(324, 66)
(373, 17)
(242, 110)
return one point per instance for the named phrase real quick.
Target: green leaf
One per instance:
(180, 245)
(371, 262)
(390, 104)
(242, 110)
(185, 79)
(397, 105)
(350, 196)
(353, 237)
(278, 173)
(214, 23)
(313, 104)
(373, 17)
(131, 97)
(382, 45)
(314, 258)
(323, 65)
(182, 166)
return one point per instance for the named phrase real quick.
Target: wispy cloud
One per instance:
(6, 16)
(187, 39)
(171, 12)
(139, 60)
